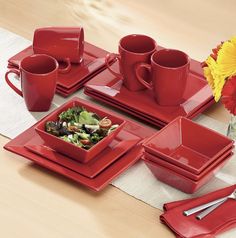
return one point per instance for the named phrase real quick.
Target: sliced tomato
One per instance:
(105, 123)
(85, 142)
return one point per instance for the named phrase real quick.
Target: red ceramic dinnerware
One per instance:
(179, 181)
(97, 183)
(140, 115)
(222, 219)
(93, 63)
(196, 95)
(181, 143)
(70, 149)
(169, 70)
(179, 170)
(65, 44)
(38, 74)
(133, 49)
(122, 143)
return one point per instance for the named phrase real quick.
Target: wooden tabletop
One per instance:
(37, 203)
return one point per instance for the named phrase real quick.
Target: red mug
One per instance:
(65, 44)
(133, 49)
(169, 70)
(38, 75)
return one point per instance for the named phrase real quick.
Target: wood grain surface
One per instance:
(35, 202)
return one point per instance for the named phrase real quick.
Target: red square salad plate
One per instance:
(123, 142)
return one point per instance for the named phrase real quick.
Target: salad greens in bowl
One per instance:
(79, 129)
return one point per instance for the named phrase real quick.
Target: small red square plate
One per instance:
(123, 142)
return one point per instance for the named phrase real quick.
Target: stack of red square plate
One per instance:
(93, 63)
(109, 89)
(94, 169)
(186, 155)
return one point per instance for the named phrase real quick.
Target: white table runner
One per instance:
(138, 180)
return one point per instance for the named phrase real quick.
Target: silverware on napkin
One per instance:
(209, 207)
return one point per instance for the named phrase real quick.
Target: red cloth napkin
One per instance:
(220, 220)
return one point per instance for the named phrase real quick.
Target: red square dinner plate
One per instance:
(184, 172)
(94, 61)
(197, 94)
(143, 115)
(17, 146)
(123, 142)
(179, 181)
(188, 145)
(70, 149)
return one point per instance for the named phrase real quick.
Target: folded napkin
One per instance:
(221, 219)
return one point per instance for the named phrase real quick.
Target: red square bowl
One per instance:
(70, 149)
(179, 181)
(179, 170)
(188, 145)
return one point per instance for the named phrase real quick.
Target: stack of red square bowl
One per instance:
(186, 155)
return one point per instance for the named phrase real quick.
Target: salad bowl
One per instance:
(76, 144)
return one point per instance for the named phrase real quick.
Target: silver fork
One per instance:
(209, 206)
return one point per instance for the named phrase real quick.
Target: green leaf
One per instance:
(87, 118)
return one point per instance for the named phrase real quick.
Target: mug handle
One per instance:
(67, 68)
(17, 72)
(109, 57)
(140, 79)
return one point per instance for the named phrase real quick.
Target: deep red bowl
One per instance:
(179, 181)
(188, 145)
(69, 149)
(179, 170)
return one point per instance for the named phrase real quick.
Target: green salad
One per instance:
(80, 127)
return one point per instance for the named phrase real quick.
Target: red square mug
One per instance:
(169, 71)
(65, 44)
(38, 75)
(133, 49)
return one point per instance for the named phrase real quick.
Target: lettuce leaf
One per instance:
(87, 118)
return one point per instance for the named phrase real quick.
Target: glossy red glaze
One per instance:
(197, 97)
(140, 115)
(221, 220)
(99, 182)
(179, 170)
(93, 63)
(169, 71)
(181, 143)
(133, 49)
(63, 43)
(122, 143)
(69, 149)
(38, 74)
(179, 181)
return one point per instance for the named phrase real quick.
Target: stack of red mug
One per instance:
(38, 72)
